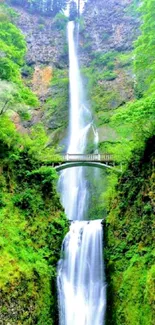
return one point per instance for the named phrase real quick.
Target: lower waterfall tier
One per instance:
(81, 279)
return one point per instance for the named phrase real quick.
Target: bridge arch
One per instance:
(81, 164)
(101, 161)
(67, 165)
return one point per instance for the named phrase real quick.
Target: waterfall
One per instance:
(81, 280)
(72, 181)
(81, 275)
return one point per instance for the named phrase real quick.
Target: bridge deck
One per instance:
(103, 158)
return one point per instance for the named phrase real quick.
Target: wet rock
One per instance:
(108, 26)
(45, 42)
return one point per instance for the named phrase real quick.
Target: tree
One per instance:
(12, 42)
(9, 99)
(46, 7)
(145, 49)
(7, 96)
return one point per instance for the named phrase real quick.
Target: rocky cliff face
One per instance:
(45, 41)
(47, 56)
(109, 25)
(106, 28)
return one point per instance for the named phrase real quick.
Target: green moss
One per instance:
(100, 71)
(129, 251)
(56, 106)
(13, 51)
(108, 75)
(33, 226)
(60, 21)
(125, 60)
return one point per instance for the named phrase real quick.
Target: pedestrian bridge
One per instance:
(80, 160)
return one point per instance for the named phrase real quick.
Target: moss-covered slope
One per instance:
(130, 246)
(32, 227)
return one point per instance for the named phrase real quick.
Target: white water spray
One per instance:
(72, 182)
(81, 280)
(81, 275)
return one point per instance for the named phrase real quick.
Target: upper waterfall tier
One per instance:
(80, 117)
(72, 184)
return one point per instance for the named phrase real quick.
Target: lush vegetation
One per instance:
(32, 228)
(130, 231)
(145, 50)
(45, 7)
(31, 217)
(129, 238)
(102, 87)
(134, 121)
(14, 95)
(129, 198)
(56, 105)
(32, 221)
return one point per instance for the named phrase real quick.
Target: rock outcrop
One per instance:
(45, 41)
(109, 25)
(106, 27)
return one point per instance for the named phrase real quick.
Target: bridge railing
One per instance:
(88, 157)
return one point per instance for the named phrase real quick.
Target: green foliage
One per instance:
(27, 71)
(8, 136)
(103, 99)
(56, 106)
(12, 42)
(13, 50)
(6, 13)
(135, 124)
(97, 183)
(101, 69)
(9, 70)
(105, 60)
(136, 112)
(26, 96)
(13, 100)
(32, 228)
(129, 251)
(108, 75)
(129, 198)
(60, 21)
(145, 50)
(125, 60)
(38, 145)
(7, 96)
(109, 194)
(45, 7)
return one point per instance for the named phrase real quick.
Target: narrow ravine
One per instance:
(81, 280)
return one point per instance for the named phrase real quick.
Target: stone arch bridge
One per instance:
(90, 160)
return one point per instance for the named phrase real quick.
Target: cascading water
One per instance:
(81, 281)
(81, 275)
(72, 182)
